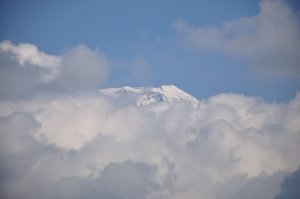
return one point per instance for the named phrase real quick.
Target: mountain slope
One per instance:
(144, 96)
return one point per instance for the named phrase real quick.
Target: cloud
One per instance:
(82, 68)
(26, 71)
(269, 41)
(19, 150)
(127, 179)
(257, 187)
(90, 145)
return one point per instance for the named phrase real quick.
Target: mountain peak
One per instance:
(147, 95)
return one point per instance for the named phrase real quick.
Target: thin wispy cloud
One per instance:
(269, 41)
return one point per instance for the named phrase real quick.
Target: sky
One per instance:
(155, 43)
(225, 125)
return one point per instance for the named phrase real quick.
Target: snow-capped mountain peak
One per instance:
(148, 95)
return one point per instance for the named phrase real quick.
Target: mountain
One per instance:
(150, 96)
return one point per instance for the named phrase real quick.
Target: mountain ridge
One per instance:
(148, 95)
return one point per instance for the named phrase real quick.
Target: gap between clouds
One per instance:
(269, 41)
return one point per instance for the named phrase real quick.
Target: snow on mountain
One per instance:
(145, 96)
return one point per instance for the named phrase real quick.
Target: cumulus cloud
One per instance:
(26, 71)
(127, 179)
(269, 41)
(257, 187)
(92, 145)
(82, 68)
(24, 68)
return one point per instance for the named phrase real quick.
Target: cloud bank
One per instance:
(269, 41)
(26, 71)
(89, 145)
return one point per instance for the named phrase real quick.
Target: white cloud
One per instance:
(82, 68)
(26, 55)
(270, 41)
(226, 146)
(26, 71)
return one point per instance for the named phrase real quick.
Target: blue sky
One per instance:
(62, 137)
(147, 46)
